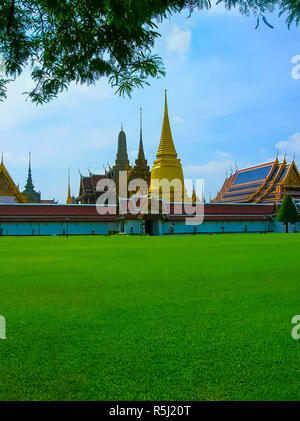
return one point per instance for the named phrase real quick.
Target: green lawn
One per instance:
(149, 318)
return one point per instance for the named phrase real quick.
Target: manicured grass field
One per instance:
(149, 318)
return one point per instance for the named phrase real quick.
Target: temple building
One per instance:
(31, 195)
(167, 166)
(88, 193)
(247, 202)
(9, 191)
(265, 183)
(87, 188)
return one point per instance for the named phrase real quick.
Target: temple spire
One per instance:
(166, 144)
(29, 185)
(31, 194)
(141, 154)
(140, 170)
(122, 157)
(69, 198)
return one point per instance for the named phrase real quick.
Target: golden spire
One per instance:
(167, 165)
(166, 144)
(194, 197)
(69, 198)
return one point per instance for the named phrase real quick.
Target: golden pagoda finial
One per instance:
(69, 198)
(2, 158)
(194, 197)
(166, 144)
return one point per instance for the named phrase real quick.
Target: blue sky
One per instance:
(231, 97)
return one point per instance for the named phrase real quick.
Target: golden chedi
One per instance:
(167, 167)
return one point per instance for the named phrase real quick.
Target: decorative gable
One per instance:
(292, 177)
(8, 187)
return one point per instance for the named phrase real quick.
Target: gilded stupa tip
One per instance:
(69, 198)
(166, 144)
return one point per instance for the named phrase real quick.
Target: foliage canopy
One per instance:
(288, 212)
(64, 41)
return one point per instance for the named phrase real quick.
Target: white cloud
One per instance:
(222, 154)
(179, 41)
(99, 137)
(17, 109)
(14, 160)
(76, 92)
(211, 168)
(178, 119)
(290, 146)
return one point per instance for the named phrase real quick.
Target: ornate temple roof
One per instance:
(88, 184)
(267, 182)
(9, 191)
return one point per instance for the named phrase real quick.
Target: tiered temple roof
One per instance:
(87, 188)
(265, 183)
